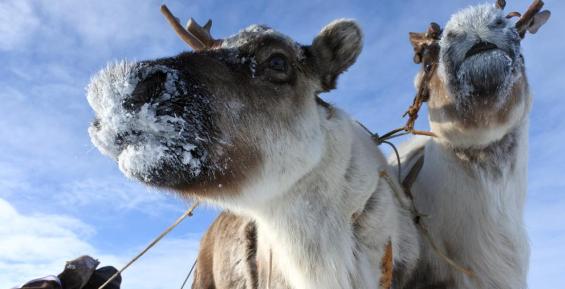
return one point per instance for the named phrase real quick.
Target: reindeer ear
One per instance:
(420, 41)
(335, 49)
(538, 21)
(417, 40)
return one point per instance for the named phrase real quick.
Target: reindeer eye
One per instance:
(278, 62)
(499, 22)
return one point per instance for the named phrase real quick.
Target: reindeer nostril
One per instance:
(146, 90)
(125, 138)
(480, 47)
(96, 123)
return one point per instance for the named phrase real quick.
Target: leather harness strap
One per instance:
(412, 176)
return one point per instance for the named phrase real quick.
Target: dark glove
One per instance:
(49, 282)
(77, 272)
(101, 275)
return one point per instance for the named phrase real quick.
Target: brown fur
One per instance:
(386, 268)
(239, 233)
(442, 108)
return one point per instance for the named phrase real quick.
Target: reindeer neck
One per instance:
(308, 229)
(495, 156)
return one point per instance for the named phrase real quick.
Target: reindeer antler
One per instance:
(532, 19)
(513, 14)
(196, 36)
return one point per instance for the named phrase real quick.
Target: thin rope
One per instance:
(397, 159)
(449, 261)
(397, 191)
(391, 134)
(186, 214)
(270, 268)
(422, 228)
(189, 273)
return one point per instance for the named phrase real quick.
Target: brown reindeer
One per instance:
(238, 123)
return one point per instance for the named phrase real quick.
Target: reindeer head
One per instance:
(233, 112)
(479, 89)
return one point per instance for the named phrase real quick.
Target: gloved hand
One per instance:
(80, 273)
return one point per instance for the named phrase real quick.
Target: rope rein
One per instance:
(270, 268)
(417, 218)
(189, 273)
(186, 214)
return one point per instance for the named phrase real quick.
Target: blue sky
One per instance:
(60, 198)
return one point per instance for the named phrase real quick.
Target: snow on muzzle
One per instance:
(148, 119)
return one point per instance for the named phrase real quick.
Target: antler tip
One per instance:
(194, 35)
(208, 25)
(526, 21)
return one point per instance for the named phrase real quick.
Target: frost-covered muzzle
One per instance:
(484, 73)
(151, 121)
(480, 57)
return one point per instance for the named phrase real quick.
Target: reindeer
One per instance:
(471, 185)
(238, 123)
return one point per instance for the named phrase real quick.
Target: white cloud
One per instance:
(547, 231)
(114, 194)
(11, 179)
(86, 29)
(35, 245)
(164, 267)
(18, 24)
(97, 22)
